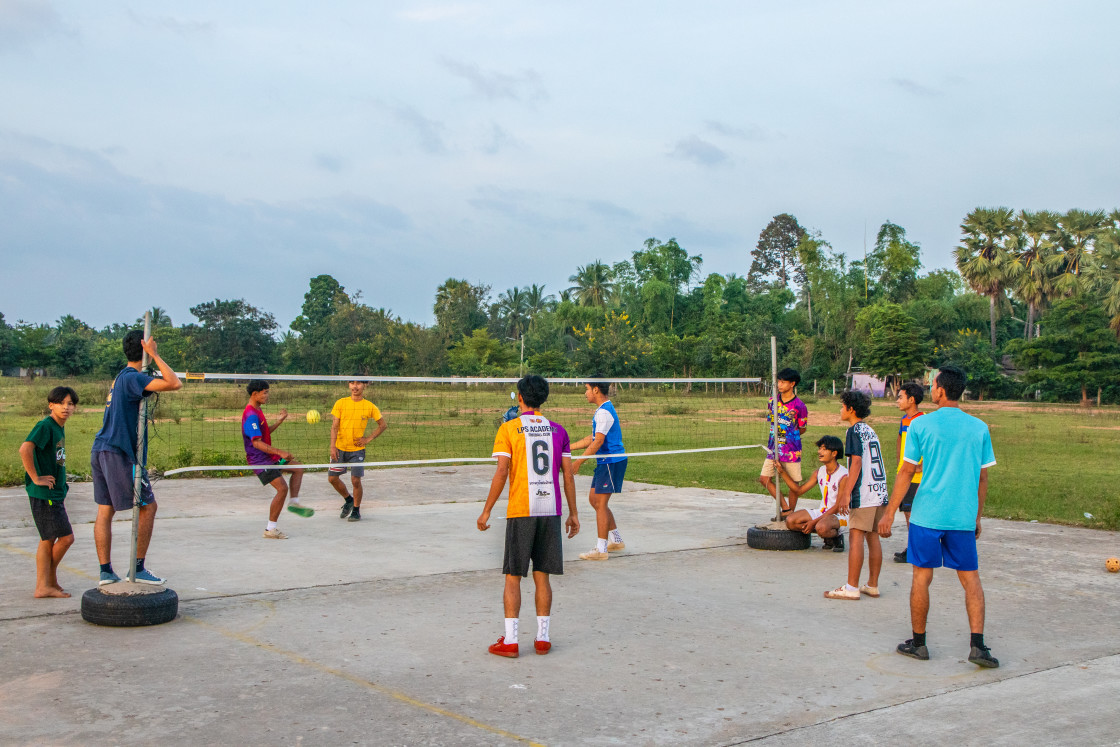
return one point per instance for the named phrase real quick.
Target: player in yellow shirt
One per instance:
(348, 444)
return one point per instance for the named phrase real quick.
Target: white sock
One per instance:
(849, 587)
(601, 544)
(542, 627)
(615, 536)
(511, 630)
(271, 526)
(294, 500)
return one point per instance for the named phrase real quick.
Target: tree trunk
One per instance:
(809, 297)
(1084, 396)
(992, 310)
(1030, 321)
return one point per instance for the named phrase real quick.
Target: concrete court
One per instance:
(376, 632)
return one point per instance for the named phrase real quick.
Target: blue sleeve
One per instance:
(252, 427)
(853, 446)
(136, 384)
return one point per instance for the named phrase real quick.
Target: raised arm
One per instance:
(170, 382)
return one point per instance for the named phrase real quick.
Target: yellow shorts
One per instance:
(793, 469)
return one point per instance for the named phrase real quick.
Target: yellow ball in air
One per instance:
(313, 416)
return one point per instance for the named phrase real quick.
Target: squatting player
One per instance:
(605, 439)
(825, 520)
(533, 453)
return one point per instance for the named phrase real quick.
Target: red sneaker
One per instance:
(501, 648)
(542, 647)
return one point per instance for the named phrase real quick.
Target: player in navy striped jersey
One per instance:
(863, 495)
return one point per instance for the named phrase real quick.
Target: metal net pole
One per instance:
(141, 463)
(774, 426)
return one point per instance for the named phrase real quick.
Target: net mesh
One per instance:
(444, 420)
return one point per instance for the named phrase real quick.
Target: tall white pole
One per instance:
(141, 457)
(774, 426)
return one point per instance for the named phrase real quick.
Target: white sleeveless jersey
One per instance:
(830, 485)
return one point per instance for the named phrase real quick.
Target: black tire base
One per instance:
(129, 610)
(778, 539)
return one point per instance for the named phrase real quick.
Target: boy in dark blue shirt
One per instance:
(114, 459)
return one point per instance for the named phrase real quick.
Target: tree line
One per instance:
(1032, 308)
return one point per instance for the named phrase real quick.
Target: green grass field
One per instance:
(1055, 461)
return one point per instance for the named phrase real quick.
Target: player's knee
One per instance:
(64, 542)
(791, 523)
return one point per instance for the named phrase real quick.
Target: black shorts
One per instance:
(50, 519)
(536, 538)
(908, 501)
(268, 475)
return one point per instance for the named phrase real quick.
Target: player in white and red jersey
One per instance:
(534, 454)
(825, 520)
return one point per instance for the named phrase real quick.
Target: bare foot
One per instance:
(50, 592)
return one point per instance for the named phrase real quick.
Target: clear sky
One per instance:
(157, 153)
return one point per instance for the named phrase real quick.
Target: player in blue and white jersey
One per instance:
(605, 439)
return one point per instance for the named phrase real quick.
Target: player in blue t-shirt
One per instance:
(114, 459)
(605, 438)
(955, 451)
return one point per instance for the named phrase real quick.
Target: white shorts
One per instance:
(816, 513)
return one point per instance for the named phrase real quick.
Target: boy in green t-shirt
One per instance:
(43, 454)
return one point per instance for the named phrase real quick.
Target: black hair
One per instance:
(58, 395)
(533, 389)
(953, 380)
(133, 350)
(832, 443)
(856, 401)
(256, 385)
(604, 387)
(913, 390)
(789, 374)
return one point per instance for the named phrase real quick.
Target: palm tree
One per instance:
(159, 318)
(1103, 273)
(1030, 257)
(1079, 229)
(983, 259)
(513, 306)
(536, 301)
(593, 284)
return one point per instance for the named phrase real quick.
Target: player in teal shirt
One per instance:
(955, 450)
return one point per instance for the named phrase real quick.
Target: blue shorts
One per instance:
(608, 477)
(932, 548)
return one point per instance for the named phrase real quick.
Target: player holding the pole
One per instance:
(113, 457)
(605, 439)
(533, 454)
